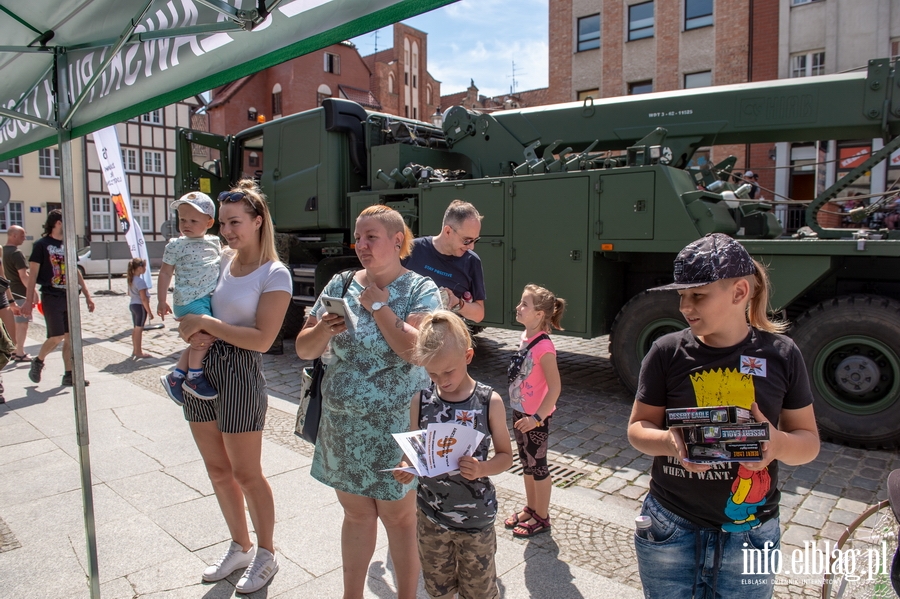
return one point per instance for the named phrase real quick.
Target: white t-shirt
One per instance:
(236, 298)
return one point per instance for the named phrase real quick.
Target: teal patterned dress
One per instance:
(366, 394)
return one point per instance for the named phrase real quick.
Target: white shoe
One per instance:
(233, 559)
(258, 573)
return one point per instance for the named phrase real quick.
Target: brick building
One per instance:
(472, 99)
(607, 48)
(400, 78)
(395, 81)
(294, 86)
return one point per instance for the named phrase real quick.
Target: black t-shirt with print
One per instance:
(50, 254)
(680, 371)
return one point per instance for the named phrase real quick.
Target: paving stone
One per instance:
(809, 518)
(864, 483)
(842, 516)
(851, 505)
(612, 484)
(632, 492)
(818, 504)
(796, 534)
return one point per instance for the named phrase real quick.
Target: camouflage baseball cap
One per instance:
(712, 258)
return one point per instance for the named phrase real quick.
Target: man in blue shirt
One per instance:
(449, 260)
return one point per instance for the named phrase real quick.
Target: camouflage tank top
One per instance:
(450, 500)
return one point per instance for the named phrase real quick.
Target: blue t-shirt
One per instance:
(457, 273)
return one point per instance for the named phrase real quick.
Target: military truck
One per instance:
(593, 199)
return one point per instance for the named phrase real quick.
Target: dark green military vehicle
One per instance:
(593, 200)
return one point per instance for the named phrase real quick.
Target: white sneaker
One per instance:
(258, 573)
(233, 559)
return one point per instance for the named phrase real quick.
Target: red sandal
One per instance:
(540, 525)
(513, 521)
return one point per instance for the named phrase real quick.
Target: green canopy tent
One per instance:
(71, 67)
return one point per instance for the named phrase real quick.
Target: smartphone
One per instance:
(338, 305)
(335, 305)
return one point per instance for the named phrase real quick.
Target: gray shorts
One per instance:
(20, 303)
(454, 561)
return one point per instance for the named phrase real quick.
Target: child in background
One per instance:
(138, 290)
(456, 512)
(704, 517)
(194, 260)
(534, 387)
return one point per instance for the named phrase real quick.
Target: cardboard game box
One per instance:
(711, 453)
(727, 433)
(677, 417)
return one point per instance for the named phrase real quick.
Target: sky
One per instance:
(480, 39)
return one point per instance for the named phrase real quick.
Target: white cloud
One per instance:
(480, 40)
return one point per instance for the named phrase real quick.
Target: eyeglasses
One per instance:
(237, 196)
(467, 240)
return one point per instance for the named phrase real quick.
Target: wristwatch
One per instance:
(537, 418)
(378, 306)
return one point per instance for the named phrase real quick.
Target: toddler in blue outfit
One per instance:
(194, 260)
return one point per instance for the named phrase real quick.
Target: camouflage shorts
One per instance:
(457, 562)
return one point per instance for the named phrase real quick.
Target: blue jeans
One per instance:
(683, 560)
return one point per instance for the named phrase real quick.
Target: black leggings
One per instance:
(533, 447)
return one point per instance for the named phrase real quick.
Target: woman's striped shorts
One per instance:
(236, 374)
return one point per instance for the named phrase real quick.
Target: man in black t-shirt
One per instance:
(48, 268)
(450, 262)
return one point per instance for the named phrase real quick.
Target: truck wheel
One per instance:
(851, 346)
(644, 319)
(293, 320)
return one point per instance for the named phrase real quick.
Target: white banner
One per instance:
(107, 143)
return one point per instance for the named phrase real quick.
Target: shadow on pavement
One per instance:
(548, 576)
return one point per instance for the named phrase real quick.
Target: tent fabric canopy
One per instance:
(59, 68)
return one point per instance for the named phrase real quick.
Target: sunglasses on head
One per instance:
(237, 196)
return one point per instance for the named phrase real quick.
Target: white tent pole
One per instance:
(67, 196)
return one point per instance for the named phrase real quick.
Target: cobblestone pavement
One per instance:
(588, 434)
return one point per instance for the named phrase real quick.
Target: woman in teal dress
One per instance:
(368, 382)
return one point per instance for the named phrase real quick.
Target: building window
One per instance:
(48, 161)
(140, 211)
(428, 94)
(698, 13)
(588, 93)
(129, 159)
(808, 64)
(588, 33)
(12, 215)
(640, 87)
(13, 166)
(276, 100)
(391, 83)
(415, 82)
(701, 79)
(153, 162)
(253, 160)
(640, 21)
(799, 2)
(406, 111)
(895, 49)
(332, 63)
(154, 117)
(101, 213)
(405, 78)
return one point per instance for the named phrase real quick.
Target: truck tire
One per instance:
(645, 318)
(851, 346)
(293, 320)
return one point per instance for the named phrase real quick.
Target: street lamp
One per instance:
(437, 119)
